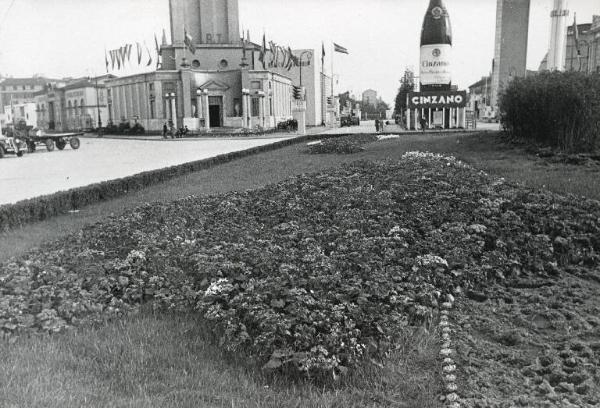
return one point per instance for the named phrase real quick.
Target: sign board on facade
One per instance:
(441, 99)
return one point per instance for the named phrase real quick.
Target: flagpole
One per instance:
(332, 97)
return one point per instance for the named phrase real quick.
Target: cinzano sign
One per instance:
(442, 99)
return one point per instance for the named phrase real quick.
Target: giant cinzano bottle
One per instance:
(436, 48)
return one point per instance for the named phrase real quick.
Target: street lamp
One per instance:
(98, 106)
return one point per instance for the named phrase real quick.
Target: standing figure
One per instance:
(165, 130)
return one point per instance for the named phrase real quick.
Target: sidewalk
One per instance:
(219, 135)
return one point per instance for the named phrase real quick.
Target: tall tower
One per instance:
(206, 21)
(510, 54)
(558, 36)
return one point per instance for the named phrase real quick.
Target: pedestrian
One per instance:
(423, 122)
(377, 125)
(382, 125)
(185, 130)
(165, 130)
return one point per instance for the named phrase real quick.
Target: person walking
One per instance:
(377, 125)
(165, 130)
(423, 122)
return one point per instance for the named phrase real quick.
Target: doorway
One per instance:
(215, 111)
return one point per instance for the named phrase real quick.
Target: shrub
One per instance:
(342, 145)
(559, 109)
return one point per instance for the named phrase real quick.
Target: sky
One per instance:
(67, 38)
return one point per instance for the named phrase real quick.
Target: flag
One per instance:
(106, 59)
(263, 52)
(139, 52)
(113, 58)
(149, 55)
(340, 49)
(243, 46)
(189, 41)
(293, 61)
(576, 34)
(274, 51)
(322, 54)
(156, 45)
(124, 53)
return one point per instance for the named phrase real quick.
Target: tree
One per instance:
(407, 84)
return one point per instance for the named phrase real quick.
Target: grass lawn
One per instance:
(165, 360)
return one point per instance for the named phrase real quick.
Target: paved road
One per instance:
(110, 158)
(99, 160)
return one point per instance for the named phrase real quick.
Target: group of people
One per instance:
(380, 125)
(169, 130)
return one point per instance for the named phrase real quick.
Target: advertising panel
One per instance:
(441, 99)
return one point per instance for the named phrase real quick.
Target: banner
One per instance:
(441, 99)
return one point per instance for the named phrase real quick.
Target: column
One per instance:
(416, 119)
(174, 109)
(443, 118)
(206, 110)
(407, 119)
(245, 118)
(199, 111)
(461, 117)
(429, 114)
(261, 109)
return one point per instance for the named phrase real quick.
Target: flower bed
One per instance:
(342, 145)
(314, 274)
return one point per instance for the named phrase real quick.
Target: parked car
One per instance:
(12, 144)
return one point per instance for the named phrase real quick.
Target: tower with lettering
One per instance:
(558, 36)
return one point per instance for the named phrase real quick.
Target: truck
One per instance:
(35, 137)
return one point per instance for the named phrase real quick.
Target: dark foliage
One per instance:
(559, 109)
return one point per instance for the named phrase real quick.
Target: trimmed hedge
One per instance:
(558, 109)
(44, 207)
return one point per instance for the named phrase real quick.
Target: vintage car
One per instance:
(11, 143)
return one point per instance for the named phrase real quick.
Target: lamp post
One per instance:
(98, 106)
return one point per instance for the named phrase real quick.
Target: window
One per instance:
(195, 64)
(151, 87)
(81, 106)
(24, 87)
(223, 64)
(69, 112)
(255, 107)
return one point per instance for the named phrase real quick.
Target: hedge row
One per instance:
(43, 207)
(558, 109)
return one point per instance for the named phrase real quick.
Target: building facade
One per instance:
(80, 104)
(369, 97)
(480, 95)
(582, 55)
(510, 52)
(214, 79)
(22, 90)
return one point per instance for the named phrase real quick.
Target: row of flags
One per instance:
(271, 56)
(119, 57)
(122, 55)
